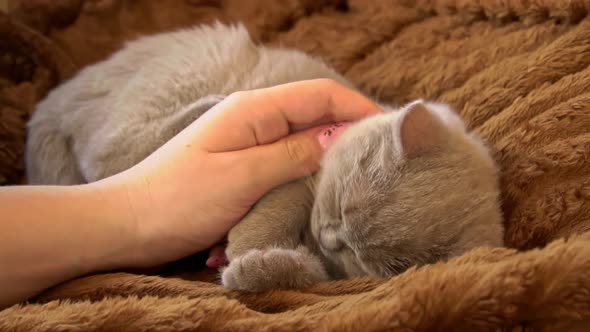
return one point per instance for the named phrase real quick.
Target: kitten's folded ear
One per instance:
(420, 131)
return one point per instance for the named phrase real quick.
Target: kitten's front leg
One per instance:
(277, 220)
(275, 268)
(268, 248)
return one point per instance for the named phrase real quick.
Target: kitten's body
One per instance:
(406, 199)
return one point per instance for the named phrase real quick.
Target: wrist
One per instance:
(144, 238)
(119, 225)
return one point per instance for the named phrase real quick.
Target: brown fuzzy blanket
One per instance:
(518, 71)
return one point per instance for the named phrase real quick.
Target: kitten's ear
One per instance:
(420, 130)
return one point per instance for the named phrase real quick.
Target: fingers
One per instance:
(263, 116)
(270, 165)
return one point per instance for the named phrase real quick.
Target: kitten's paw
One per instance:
(263, 270)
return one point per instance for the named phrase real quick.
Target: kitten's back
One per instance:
(115, 113)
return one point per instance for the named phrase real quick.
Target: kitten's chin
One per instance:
(368, 271)
(365, 266)
(350, 267)
(356, 272)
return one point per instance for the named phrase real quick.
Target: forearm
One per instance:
(51, 234)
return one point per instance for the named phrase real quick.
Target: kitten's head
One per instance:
(404, 188)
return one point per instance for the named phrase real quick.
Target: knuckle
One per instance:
(237, 96)
(296, 151)
(328, 83)
(328, 87)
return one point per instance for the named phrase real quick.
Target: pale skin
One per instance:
(246, 145)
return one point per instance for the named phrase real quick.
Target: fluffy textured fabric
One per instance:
(29, 66)
(518, 71)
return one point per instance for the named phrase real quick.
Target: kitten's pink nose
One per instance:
(329, 134)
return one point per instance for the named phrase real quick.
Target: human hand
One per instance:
(186, 196)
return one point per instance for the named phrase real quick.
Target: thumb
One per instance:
(285, 160)
(288, 159)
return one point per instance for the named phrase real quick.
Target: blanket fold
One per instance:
(484, 290)
(517, 71)
(30, 65)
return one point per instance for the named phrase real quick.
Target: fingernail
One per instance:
(327, 135)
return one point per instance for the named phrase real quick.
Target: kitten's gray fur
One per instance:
(407, 187)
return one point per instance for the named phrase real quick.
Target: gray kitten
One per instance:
(407, 187)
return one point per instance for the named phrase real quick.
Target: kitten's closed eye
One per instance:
(329, 239)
